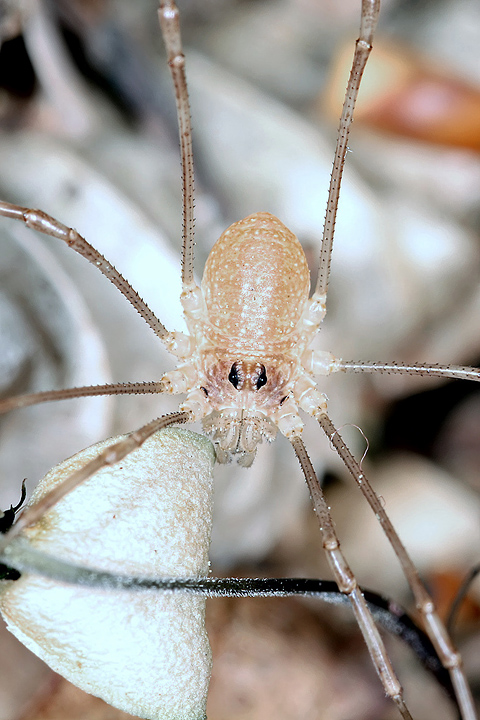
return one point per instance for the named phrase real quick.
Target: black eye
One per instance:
(262, 378)
(233, 376)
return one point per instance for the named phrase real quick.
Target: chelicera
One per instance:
(246, 366)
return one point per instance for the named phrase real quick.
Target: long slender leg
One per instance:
(170, 25)
(456, 372)
(363, 47)
(111, 455)
(21, 401)
(38, 220)
(434, 627)
(348, 584)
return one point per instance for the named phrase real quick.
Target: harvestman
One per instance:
(245, 364)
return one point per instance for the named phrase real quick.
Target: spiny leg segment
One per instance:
(169, 22)
(347, 583)
(450, 372)
(40, 221)
(21, 401)
(363, 48)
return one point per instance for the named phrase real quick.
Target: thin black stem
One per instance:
(21, 557)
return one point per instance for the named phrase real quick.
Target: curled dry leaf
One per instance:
(144, 652)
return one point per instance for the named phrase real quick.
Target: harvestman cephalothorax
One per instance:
(245, 364)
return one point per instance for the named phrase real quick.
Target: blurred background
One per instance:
(88, 134)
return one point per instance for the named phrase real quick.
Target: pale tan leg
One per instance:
(170, 25)
(20, 401)
(348, 585)
(435, 629)
(38, 220)
(454, 372)
(363, 47)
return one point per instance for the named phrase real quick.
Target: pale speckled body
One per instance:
(255, 285)
(247, 369)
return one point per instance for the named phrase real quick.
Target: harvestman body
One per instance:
(246, 366)
(249, 328)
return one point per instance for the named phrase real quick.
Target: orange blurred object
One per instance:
(445, 587)
(406, 94)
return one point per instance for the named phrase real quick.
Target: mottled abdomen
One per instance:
(255, 284)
